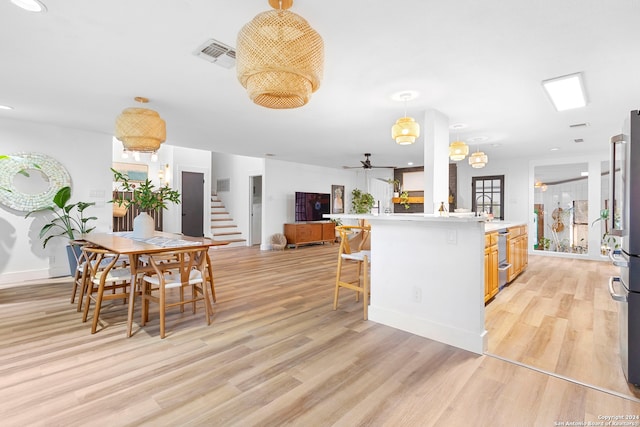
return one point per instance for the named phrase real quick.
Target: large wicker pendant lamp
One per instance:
(279, 58)
(140, 129)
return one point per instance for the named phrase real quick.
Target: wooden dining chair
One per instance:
(187, 272)
(106, 273)
(360, 257)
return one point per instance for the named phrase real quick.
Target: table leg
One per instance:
(133, 265)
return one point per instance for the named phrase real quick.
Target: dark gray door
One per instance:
(192, 203)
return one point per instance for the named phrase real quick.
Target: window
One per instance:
(488, 195)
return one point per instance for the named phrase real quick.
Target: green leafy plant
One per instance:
(69, 218)
(404, 199)
(144, 195)
(396, 184)
(361, 202)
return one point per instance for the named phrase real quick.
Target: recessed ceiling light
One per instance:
(5, 107)
(478, 139)
(457, 126)
(405, 95)
(30, 5)
(566, 92)
(555, 149)
(584, 173)
(410, 164)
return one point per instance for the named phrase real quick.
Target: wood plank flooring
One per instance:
(276, 354)
(558, 316)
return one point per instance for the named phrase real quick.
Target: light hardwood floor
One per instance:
(558, 316)
(276, 354)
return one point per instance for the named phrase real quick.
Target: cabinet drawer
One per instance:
(490, 239)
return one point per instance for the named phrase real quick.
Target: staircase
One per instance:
(222, 226)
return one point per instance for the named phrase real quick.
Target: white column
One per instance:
(436, 160)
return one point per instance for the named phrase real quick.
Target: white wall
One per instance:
(283, 179)
(87, 158)
(237, 201)
(516, 186)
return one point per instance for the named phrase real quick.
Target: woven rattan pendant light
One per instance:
(140, 129)
(279, 58)
(405, 130)
(478, 160)
(458, 150)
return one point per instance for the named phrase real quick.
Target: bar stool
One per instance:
(361, 257)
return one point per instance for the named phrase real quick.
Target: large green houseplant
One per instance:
(361, 202)
(68, 221)
(146, 197)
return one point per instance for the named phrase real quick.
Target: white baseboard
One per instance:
(466, 340)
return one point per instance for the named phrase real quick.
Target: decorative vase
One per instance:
(143, 225)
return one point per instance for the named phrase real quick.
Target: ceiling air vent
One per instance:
(579, 125)
(217, 52)
(578, 140)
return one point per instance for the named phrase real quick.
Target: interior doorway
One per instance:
(255, 232)
(192, 204)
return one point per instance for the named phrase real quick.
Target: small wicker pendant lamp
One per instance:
(478, 159)
(140, 129)
(458, 150)
(279, 58)
(405, 130)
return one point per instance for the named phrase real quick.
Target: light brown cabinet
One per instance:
(490, 265)
(517, 251)
(302, 233)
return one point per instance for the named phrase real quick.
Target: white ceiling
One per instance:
(478, 62)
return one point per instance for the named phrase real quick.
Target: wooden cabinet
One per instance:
(302, 233)
(517, 251)
(490, 265)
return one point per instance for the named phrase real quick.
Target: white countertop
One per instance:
(416, 217)
(489, 226)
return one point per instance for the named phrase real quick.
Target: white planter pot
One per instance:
(143, 226)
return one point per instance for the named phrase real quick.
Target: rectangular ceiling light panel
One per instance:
(566, 92)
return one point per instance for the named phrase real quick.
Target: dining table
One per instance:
(124, 243)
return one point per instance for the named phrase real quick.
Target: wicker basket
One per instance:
(278, 241)
(119, 210)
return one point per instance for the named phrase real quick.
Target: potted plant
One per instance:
(608, 241)
(361, 202)
(396, 186)
(69, 221)
(404, 199)
(146, 198)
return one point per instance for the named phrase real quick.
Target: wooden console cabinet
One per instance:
(302, 233)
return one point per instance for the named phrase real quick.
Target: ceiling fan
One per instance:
(366, 164)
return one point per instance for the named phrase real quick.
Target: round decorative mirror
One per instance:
(28, 181)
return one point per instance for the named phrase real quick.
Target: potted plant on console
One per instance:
(146, 198)
(69, 221)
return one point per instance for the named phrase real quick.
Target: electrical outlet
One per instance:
(452, 237)
(417, 294)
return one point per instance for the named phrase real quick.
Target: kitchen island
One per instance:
(427, 276)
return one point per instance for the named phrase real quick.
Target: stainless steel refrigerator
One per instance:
(624, 221)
